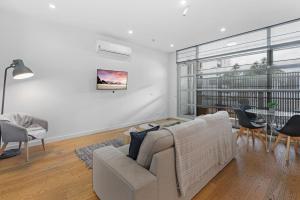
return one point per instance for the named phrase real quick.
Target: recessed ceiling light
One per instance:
(231, 44)
(183, 2)
(130, 32)
(52, 6)
(185, 11)
(172, 45)
(223, 29)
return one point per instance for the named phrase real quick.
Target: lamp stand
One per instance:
(12, 152)
(4, 87)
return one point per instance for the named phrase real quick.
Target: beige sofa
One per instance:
(151, 177)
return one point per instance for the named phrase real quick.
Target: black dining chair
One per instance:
(251, 116)
(247, 125)
(244, 105)
(291, 130)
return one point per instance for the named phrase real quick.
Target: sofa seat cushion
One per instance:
(153, 143)
(124, 149)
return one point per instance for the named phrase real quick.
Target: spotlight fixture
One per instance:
(185, 11)
(171, 45)
(130, 32)
(223, 29)
(230, 44)
(183, 2)
(52, 6)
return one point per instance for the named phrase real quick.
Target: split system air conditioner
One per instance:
(103, 46)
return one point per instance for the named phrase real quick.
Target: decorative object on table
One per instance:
(291, 130)
(86, 153)
(251, 127)
(272, 106)
(17, 127)
(136, 141)
(111, 80)
(20, 71)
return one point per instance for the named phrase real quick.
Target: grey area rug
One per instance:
(86, 153)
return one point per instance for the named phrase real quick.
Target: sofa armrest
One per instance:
(163, 167)
(116, 176)
(43, 123)
(13, 133)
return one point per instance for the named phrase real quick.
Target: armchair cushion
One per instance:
(36, 131)
(16, 127)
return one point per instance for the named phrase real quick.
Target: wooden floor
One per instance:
(58, 174)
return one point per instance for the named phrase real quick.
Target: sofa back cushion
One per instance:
(136, 141)
(153, 143)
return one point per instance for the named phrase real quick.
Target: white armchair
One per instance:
(17, 127)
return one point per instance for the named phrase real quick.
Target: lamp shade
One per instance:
(20, 70)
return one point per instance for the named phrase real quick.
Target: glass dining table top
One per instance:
(268, 112)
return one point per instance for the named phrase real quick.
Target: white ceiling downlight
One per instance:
(183, 2)
(230, 44)
(52, 6)
(223, 29)
(130, 32)
(171, 45)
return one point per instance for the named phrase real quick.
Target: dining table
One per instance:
(270, 117)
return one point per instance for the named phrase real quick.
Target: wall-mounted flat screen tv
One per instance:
(111, 80)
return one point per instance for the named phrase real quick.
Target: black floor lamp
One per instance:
(20, 71)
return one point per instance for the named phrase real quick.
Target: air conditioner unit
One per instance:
(103, 46)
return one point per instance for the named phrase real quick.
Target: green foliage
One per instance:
(272, 104)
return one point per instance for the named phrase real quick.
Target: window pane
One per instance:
(186, 69)
(187, 83)
(207, 98)
(187, 97)
(287, 60)
(244, 60)
(285, 33)
(234, 44)
(187, 110)
(286, 54)
(208, 67)
(187, 54)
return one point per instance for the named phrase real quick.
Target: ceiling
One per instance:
(161, 20)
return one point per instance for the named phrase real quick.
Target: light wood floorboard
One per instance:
(58, 174)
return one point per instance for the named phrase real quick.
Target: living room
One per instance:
(86, 82)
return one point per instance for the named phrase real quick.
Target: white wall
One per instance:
(172, 85)
(63, 90)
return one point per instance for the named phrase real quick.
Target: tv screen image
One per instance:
(111, 80)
